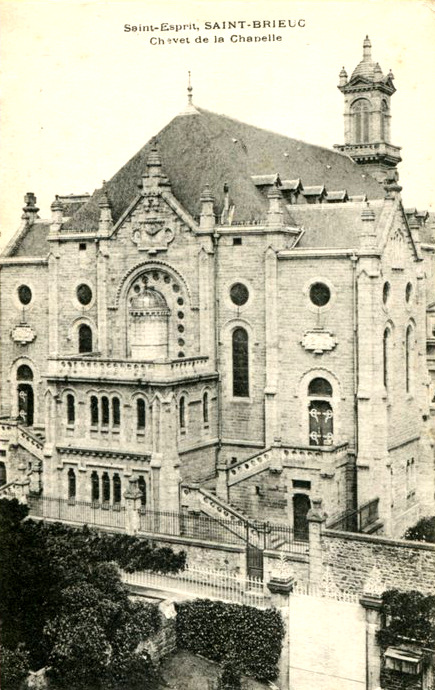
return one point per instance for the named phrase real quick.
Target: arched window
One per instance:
(116, 488)
(85, 338)
(301, 506)
(386, 356)
(71, 484)
(409, 346)
(240, 357)
(25, 394)
(105, 411)
(106, 487)
(94, 410)
(182, 413)
(360, 112)
(140, 413)
(320, 413)
(116, 412)
(205, 408)
(70, 409)
(143, 489)
(95, 487)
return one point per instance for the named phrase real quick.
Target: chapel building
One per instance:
(237, 318)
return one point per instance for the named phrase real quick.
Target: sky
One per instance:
(79, 95)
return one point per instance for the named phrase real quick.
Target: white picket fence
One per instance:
(325, 591)
(203, 583)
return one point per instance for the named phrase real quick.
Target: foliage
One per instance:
(14, 667)
(66, 604)
(409, 615)
(424, 530)
(230, 678)
(214, 629)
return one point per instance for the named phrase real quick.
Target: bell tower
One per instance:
(367, 117)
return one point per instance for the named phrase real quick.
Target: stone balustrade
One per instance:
(127, 370)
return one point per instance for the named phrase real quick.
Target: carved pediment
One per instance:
(154, 224)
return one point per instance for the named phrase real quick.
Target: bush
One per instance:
(424, 530)
(215, 630)
(14, 667)
(409, 615)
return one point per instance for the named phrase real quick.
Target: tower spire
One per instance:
(367, 50)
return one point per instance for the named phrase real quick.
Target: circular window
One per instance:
(386, 292)
(84, 294)
(24, 294)
(239, 294)
(320, 294)
(180, 314)
(180, 342)
(408, 291)
(156, 275)
(181, 354)
(181, 329)
(176, 288)
(180, 301)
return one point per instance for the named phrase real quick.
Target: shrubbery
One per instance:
(224, 632)
(409, 616)
(424, 530)
(63, 604)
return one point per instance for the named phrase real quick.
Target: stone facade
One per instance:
(203, 320)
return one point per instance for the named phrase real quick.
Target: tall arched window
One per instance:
(140, 414)
(106, 487)
(360, 112)
(85, 338)
(143, 489)
(182, 413)
(386, 356)
(409, 347)
(320, 413)
(205, 408)
(94, 410)
(240, 358)
(384, 121)
(116, 412)
(105, 411)
(116, 488)
(70, 409)
(25, 394)
(71, 484)
(95, 487)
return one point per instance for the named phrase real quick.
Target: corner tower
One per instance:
(367, 117)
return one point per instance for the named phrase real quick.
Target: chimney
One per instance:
(30, 210)
(275, 214)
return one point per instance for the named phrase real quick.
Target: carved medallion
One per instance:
(318, 341)
(23, 334)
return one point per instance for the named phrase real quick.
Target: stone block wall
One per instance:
(208, 555)
(352, 560)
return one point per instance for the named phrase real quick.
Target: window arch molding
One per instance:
(74, 334)
(336, 401)
(183, 395)
(206, 409)
(66, 406)
(36, 381)
(410, 353)
(360, 112)
(388, 348)
(135, 272)
(226, 337)
(136, 412)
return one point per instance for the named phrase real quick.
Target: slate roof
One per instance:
(34, 242)
(331, 225)
(206, 148)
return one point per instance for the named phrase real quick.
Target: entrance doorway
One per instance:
(301, 506)
(25, 395)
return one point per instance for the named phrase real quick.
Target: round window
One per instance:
(320, 294)
(84, 294)
(24, 294)
(239, 294)
(408, 291)
(386, 292)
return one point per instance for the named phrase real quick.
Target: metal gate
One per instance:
(254, 561)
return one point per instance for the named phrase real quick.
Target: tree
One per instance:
(424, 530)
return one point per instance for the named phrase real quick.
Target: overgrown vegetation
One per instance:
(246, 639)
(424, 530)
(408, 616)
(63, 604)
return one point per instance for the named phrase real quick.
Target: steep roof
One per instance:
(203, 147)
(32, 241)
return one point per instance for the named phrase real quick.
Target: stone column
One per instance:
(53, 291)
(280, 587)
(170, 478)
(372, 605)
(132, 504)
(102, 300)
(271, 330)
(206, 300)
(316, 518)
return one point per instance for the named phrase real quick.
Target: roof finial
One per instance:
(189, 90)
(367, 49)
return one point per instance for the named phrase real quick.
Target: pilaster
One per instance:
(271, 331)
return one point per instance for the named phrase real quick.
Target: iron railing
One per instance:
(82, 512)
(356, 520)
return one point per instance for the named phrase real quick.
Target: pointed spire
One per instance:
(207, 218)
(343, 77)
(57, 211)
(367, 50)
(154, 176)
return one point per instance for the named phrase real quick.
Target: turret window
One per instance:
(360, 113)
(116, 412)
(94, 410)
(70, 409)
(105, 411)
(71, 485)
(85, 338)
(116, 489)
(141, 414)
(182, 413)
(240, 358)
(320, 413)
(205, 414)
